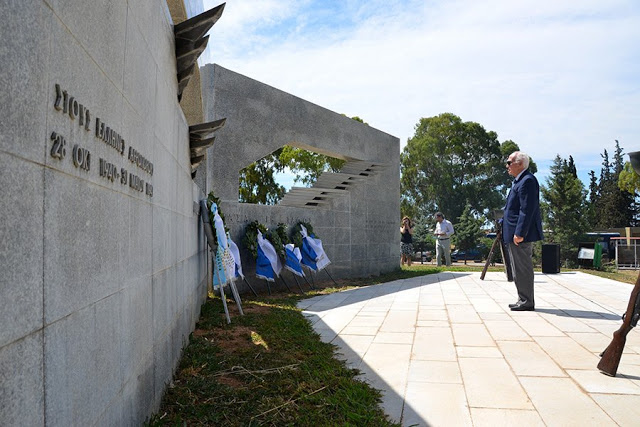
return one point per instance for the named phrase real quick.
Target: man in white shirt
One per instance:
(443, 232)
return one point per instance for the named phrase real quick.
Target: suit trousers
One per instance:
(522, 267)
(443, 247)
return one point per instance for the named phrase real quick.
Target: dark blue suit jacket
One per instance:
(522, 211)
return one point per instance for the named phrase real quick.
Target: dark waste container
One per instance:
(551, 258)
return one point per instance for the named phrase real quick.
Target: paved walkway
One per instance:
(447, 351)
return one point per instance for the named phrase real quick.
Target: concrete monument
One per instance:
(103, 257)
(354, 212)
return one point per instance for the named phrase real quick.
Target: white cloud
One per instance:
(556, 77)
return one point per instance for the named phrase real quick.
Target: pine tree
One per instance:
(468, 230)
(564, 207)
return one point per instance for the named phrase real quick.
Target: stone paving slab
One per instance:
(446, 350)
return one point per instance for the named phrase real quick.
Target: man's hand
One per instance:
(517, 239)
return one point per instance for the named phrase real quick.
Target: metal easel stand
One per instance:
(297, 283)
(236, 296)
(311, 284)
(249, 285)
(281, 276)
(327, 271)
(222, 296)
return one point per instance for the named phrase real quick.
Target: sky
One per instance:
(558, 77)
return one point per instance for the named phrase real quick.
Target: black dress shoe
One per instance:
(515, 304)
(523, 307)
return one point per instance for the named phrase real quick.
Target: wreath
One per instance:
(273, 237)
(283, 232)
(250, 239)
(211, 199)
(296, 234)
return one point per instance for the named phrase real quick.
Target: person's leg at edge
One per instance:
(522, 267)
(438, 254)
(447, 252)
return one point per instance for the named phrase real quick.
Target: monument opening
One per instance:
(267, 180)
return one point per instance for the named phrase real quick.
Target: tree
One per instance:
(423, 238)
(624, 200)
(257, 181)
(629, 180)
(614, 207)
(508, 147)
(571, 167)
(591, 212)
(449, 163)
(307, 165)
(468, 230)
(563, 207)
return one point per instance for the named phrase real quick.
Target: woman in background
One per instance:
(406, 241)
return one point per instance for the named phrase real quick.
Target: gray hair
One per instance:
(521, 157)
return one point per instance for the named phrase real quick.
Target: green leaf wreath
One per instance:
(283, 231)
(211, 199)
(273, 237)
(250, 239)
(296, 235)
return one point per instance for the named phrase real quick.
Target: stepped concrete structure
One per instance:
(354, 212)
(103, 141)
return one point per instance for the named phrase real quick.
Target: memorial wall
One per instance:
(102, 258)
(355, 212)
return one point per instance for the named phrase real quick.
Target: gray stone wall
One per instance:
(359, 231)
(101, 283)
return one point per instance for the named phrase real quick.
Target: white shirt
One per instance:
(444, 227)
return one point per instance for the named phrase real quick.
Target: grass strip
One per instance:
(268, 367)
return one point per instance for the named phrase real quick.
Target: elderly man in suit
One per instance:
(522, 225)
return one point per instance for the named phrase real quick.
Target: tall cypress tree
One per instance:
(591, 211)
(624, 201)
(605, 191)
(614, 207)
(572, 167)
(564, 207)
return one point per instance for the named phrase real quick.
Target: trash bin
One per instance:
(551, 258)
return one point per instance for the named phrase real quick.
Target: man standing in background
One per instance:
(521, 226)
(443, 232)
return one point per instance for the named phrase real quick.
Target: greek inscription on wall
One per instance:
(69, 105)
(81, 157)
